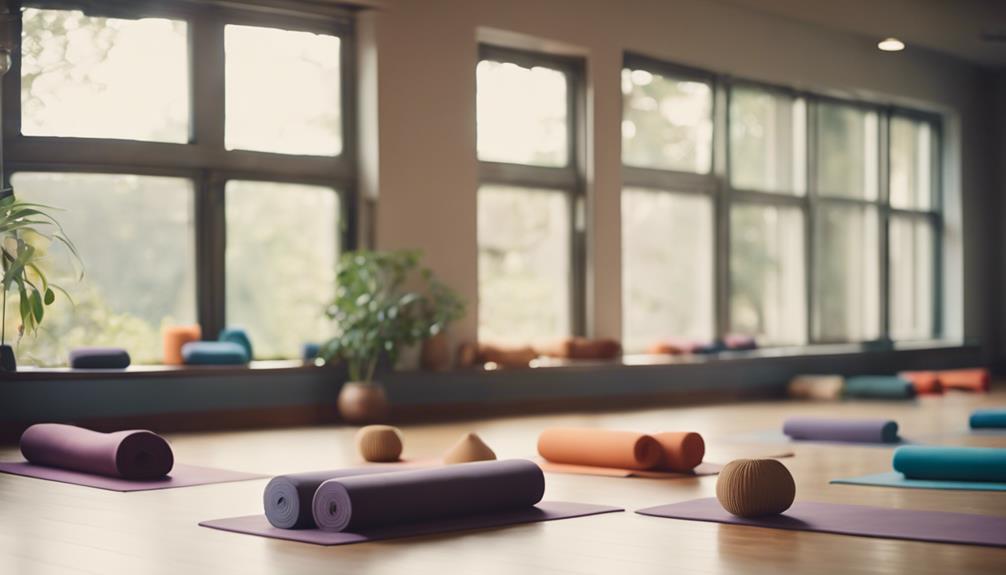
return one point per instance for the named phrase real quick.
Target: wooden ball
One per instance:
(379, 443)
(755, 487)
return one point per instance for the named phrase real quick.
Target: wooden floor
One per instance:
(49, 527)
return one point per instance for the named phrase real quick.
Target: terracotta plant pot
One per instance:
(363, 402)
(436, 353)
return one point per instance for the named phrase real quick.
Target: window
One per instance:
(530, 208)
(668, 220)
(202, 158)
(764, 211)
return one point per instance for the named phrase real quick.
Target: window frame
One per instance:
(203, 159)
(569, 179)
(718, 185)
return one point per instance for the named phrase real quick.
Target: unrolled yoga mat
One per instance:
(543, 511)
(859, 520)
(842, 430)
(181, 476)
(702, 470)
(897, 479)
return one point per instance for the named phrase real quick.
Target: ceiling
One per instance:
(954, 27)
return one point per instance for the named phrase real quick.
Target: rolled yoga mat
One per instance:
(988, 419)
(388, 499)
(859, 520)
(976, 379)
(843, 430)
(600, 448)
(951, 463)
(132, 454)
(878, 387)
(287, 498)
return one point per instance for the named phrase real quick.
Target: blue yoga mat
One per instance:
(951, 463)
(988, 419)
(895, 479)
(878, 387)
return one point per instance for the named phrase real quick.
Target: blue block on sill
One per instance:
(239, 336)
(214, 353)
(99, 358)
(309, 351)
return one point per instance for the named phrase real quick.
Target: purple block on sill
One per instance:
(99, 358)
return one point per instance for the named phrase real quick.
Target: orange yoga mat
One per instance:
(924, 382)
(600, 448)
(682, 450)
(976, 379)
(175, 336)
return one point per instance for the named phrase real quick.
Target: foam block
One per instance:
(878, 387)
(951, 463)
(239, 336)
(214, 353)
(469, 448)
(988, 419)
(600, 448)
(130, 454)
(845, 430)
(99, 358)
(755, 487)
(174, 337)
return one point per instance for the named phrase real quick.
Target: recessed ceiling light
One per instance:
(891, 45)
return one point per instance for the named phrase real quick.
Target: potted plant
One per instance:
(384, 301)
(25, 230)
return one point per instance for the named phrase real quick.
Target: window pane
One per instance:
(912, 250)
(282, 251)
(666, 122)
(847, 280)
(767, 287)
(767, 141)
(135, 236)
(667, 263)
(91, 77)
(522, 114)
(847, 151)
(283, 93)
(524, 264)
(911, 163)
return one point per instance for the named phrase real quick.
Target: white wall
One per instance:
(425, 120)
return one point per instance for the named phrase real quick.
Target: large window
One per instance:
(787, 216)
(530, 206)
(201, 156)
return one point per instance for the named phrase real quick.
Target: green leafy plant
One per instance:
(25, 230)
(377, 314)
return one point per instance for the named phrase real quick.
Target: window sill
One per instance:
(154, 371)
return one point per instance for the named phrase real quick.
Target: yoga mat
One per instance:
(896, 479)
(988, 419)
(878, 387)
(772, 436)
(951, 463)
(924, 382)
(859, 520)
(543, 511)
(976, 379)
(181, 476)
(842, 430)
(287, 498)
(380, 500)
(130, 454)
(599, 448)
(702, 470)
(99, 358)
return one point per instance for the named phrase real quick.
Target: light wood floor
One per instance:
(49, 527)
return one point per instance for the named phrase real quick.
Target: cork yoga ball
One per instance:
(755, 487)
(379, 443)
(469, 448)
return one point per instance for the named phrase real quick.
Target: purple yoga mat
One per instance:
(851, 430)
(130, 454)
(181, 476)
(379, 500)
(860, 520)
(543, 511)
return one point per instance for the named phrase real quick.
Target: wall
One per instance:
(426, 54)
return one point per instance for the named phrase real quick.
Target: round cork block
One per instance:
(379, 443)
(755, 487)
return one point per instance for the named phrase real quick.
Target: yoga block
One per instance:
(469, 448)
(379, 443)
(214, 353)
(99, 358)
(239, 336)
(174, 337)
(989, 419)
(755, 487)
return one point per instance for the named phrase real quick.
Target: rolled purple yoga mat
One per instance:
(851, 430)
(370, 501)
(287, 498)
(130, 454)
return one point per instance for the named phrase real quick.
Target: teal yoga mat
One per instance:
(988, 419)
(895, 479)
(951, 463)
(878, 387)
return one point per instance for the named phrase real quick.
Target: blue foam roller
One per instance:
(99, 358)
(239, 336)
(989, 418)
(951, 463)
(214, 353)
(878, 387)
